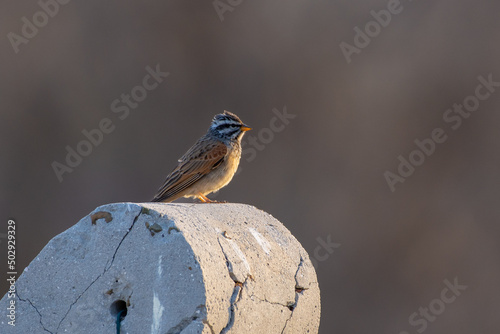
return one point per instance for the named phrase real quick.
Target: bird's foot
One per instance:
(205, 199)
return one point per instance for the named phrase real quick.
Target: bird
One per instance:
(209, 164)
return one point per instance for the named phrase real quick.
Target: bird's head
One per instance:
(229, 126)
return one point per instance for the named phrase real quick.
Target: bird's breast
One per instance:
(230, 165)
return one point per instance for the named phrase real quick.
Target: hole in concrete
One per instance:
(117, 307)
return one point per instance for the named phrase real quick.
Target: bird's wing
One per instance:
(195, 164)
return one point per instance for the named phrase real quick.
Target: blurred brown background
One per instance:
(322, 175)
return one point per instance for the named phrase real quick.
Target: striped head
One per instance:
(228, 126)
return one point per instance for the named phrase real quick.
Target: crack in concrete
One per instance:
(271, 302)
(236, 292)
(238, 288)
(209, 326)
(297, 286)
(228, 263)
(292, 309)
(105, 270)
(235, 298)
(236, 295)
(298, 290)
(39, 314)
(121, 241)
(199, 312)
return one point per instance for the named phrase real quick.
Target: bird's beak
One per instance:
(245, 128)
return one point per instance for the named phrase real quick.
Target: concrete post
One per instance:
(171, 268)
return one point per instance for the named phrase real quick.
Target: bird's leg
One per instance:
(205, 199)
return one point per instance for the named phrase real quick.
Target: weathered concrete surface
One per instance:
(190, 268)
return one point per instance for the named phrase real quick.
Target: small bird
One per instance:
(209, 164)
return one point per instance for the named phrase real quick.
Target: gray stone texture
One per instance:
(180, 268)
